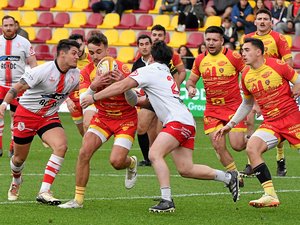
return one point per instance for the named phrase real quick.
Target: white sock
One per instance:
(223, 176)
(166, 193)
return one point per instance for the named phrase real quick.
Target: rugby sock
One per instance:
(231, 166)
(222, 176)
(52, 168)
(263, 175)
(280, 153)
(79, 194)
(16, 172)
(1, 132)
(166, 193)
(132, 163)
(143, 140)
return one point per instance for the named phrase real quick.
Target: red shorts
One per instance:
(286, 128)
(77, 116)
(216, 118)
(14, 103)
(119, 128)
(27, 124)
(185, 134)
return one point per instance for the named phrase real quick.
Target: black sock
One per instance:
(262, 173)
(143, 140)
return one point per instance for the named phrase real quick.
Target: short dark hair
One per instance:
(8, 17)
(143, 36)
(257, 43)
(265, 11)
(158, 27)
(76, 37)
(161, 52)
(98, 39)
(215, 29)
(65, 45)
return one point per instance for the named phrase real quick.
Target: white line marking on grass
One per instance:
(151, 197)
(122, 175)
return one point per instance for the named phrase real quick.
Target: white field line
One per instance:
(122, 175)
(153, 197)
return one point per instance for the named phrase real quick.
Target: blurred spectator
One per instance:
(219, 7)
(191, 16)
(229, 45)
(279, 13)
(293, 19)
(122, 5)
(259, 4)
(230, 32)
(201, 48)
(169, 6)
(103, 5)
(242, 16)
(21, 31)
(186, 56)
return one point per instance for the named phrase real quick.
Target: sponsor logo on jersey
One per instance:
(9, 58)
(56, 96)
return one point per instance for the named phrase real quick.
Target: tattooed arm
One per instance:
(11, 94)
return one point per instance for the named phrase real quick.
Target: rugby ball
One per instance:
(107, 64)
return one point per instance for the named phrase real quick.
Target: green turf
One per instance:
(108, 202)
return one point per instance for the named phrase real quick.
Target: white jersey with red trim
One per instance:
(13, 54)
(49, 88)
(158, 83)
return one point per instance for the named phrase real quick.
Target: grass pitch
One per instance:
(108, 202)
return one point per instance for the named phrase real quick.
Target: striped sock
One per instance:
(16, 172)
(269, 188)
(52, 168)
(231, 166)
(79, 194)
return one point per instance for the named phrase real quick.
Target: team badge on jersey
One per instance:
(21, 126)
(236, 54)
(125, 68)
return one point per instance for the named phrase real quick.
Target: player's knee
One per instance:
(184, 171)
(141, 129)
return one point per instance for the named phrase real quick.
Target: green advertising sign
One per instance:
(197, 104)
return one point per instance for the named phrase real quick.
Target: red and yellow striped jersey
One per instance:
(269, 85)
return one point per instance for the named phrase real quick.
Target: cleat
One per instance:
(247, 172)
(72, 204)
(265, 201)
(163, 206)
(47, 198)
(241, 182)
(13, 192)
(144, 163)
(131, 175)
(281, 169)
(234, 185)
(1, 152)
